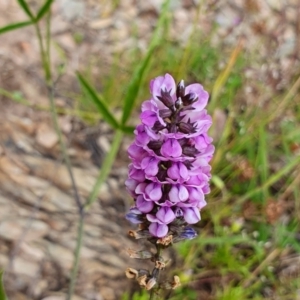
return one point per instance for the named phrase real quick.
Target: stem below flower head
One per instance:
(156, 273)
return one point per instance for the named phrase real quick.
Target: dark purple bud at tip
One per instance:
(165, 113)
(180, 89)
(134, 218)
(189, 99)
(166, 98)
(189, 151)
(186, 127)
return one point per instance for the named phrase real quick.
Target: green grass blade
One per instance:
(102, 108)
(272, 179)
(106, 167)
(2, 292)
(43, 10)
(14, 26)
(263, 165)
(135, 83)
(134, 86)
(127, 129)
(26, 9)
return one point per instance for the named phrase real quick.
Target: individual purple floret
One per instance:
(169, 172)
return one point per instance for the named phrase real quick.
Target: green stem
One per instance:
(45, 61)
(48, 37)
(45, 56)
(76, 258)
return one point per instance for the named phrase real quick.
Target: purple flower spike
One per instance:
(169, 172)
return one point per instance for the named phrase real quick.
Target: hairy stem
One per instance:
(45, 57)
(156, 271)
(76, 258)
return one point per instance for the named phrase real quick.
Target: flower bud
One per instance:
(180, 89)
(186, 127)
(189, 151)
(165, 113)
(134, 218)
(154, 145)
(166, 99)
(189, 99)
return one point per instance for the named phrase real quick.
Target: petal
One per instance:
(173, 171)
(191, 215)
(183, 171)
(136, 152)
(171, 148)
(158, 230)
(148, 117)
(201, 94)
(178, 193)
(140, 188)
(173, 194)
(151, 218)
(165, 215)
(195, 194)
(183, 193)
(143, 205)
(153, 191)
(150, 165)
(166, 82)
(137, 175)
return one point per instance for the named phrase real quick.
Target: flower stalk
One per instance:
(169, 173)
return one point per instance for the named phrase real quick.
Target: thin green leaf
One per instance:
(102, 108)
(26, 9)
(127, 129)
(14, 26)
(134, 86)
(2, 291)
(135, 83)
(43, 10)
(106, 167)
